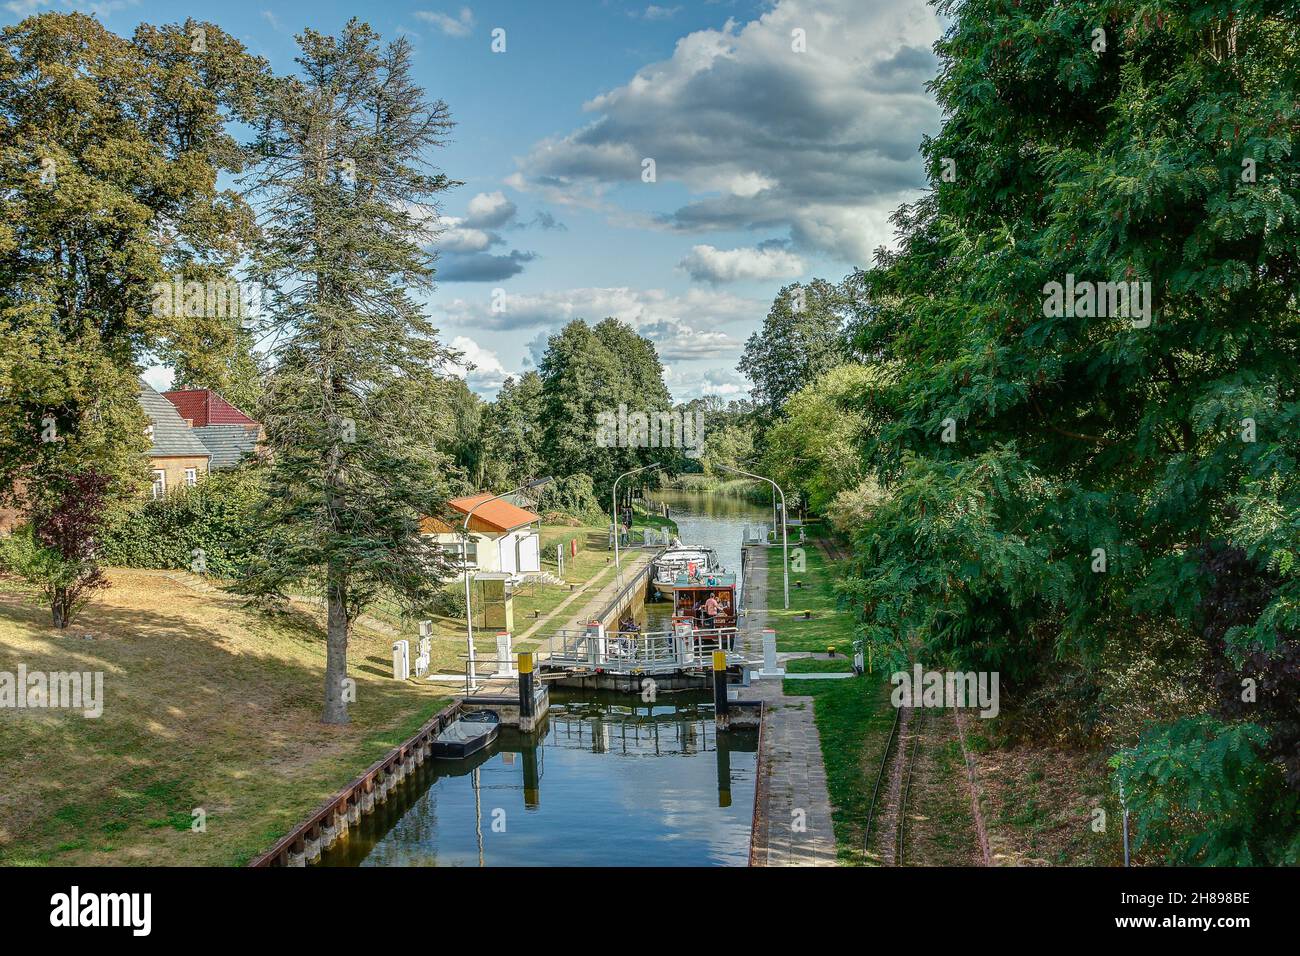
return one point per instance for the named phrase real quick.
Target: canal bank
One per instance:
(792, 815)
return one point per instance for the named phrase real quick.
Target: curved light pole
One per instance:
(618, 568)
(785, 539)
(464, 562)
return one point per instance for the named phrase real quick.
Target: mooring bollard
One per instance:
(401, 660)
(721, 704)
(526, 716)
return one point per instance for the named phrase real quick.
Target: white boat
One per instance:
(681, 559)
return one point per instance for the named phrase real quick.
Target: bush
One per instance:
(449, 602)
(573, 495)
(58, 552)
(852, 508)
(216, 521)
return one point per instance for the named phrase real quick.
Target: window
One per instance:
(191, 477)
(159, 483)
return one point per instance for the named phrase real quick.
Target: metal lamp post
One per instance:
(618, 568)
(785, 539)
(464, 561)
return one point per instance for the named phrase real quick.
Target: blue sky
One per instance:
(772, 164)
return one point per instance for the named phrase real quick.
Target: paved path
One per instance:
(792, 826)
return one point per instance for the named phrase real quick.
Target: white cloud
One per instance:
(709, 264)
(822, 144)
(159, 377)
(654, 12)
(460, 26)
(701, 309)
(456, 236)
(480, 367)
(490, 210)
(688, 383)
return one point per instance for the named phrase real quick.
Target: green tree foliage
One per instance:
(463, 424)
(512, 435)
(588, 371)
(1203, 793)
(354, 400)
(802, 336)
(815, 447)
(231, 367)
(109, 154)
(1019, 441)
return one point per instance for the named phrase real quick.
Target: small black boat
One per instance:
(467, 735)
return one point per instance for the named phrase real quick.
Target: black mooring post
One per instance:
(526, 691)
(721, 705)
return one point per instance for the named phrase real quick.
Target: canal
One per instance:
(712, 521)
(609, 781)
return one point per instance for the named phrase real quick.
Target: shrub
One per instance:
(58, 552)
(217, 520)
(449, 602)
(573, 495)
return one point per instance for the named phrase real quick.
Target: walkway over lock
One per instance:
(636, 652)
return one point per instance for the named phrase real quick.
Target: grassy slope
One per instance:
(1037, 800)
(206, 706)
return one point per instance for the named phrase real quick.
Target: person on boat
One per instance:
(711, 609)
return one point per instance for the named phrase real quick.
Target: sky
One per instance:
(783, 134)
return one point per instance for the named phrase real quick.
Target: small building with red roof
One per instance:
(503, 537)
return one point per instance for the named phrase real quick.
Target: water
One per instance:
(714, 521)
(611, 781)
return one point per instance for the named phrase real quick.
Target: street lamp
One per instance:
(464, 561)
(618, 569)
(785, 539)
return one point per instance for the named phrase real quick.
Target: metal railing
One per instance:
(632, 652)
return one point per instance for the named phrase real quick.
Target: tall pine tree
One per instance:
(344, 192)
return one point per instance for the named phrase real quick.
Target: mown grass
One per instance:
(826, 626)
(853, 719)
(207, 706)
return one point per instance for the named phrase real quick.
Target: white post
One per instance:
(770, 668)
(506, 663)
(401, 660)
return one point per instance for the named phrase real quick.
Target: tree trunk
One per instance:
(59, 610)
(336, 643)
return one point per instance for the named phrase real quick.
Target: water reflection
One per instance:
(611, 780)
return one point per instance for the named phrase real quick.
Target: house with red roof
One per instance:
(229, 435)
(503, 537)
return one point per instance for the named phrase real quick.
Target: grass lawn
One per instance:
(827, 626)
(206, 705)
